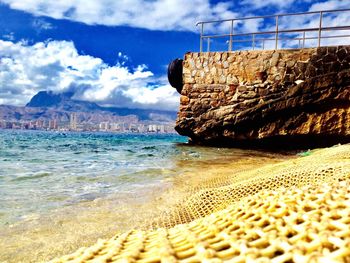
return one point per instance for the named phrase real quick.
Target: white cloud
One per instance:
(154, 15)
(57, 66)
(41, 25)
(159, 14)
(256, 4)
(10, 36)
(329, 5)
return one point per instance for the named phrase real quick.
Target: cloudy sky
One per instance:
(115, 52)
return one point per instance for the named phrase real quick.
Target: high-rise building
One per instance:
(162, 129)
(39, 124)
(152, 128)
(73, 121)
(53, 124)
(141, 128)
(122, 128)
(104, 126)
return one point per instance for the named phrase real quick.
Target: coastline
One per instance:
(292, 210)
(66, 229)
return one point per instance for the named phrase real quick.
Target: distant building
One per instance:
(39, 124)
(32, 125)
(152, 128)
(133, 127)
(73, 121)
(162, 129)
(53, 124)
(104, 126)
(122, 129)
(141, 128)
(113, 126)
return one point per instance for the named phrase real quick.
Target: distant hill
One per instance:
(62, 101)
(49, 105)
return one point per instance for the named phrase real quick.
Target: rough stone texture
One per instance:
(231, 97)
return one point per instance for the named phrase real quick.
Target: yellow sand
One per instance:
(294, 211)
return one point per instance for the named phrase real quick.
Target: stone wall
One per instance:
(249, 95)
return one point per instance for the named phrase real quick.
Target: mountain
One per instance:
(48, 105)
(62, 101)
(49, 99)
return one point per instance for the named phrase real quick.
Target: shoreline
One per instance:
(282, 201)
(44, 239)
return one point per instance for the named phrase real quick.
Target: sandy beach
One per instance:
(43, 237)
(294, 210)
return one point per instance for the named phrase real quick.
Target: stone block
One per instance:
(330, 57)
(222, 79)
(341, 54)
(274, 59)
(188, 80)
(184, 100)
(231, 58)
(217, 56)
(214, 95)
(232, 80)
(198, 63)
(213, 71)
(191, 63)
(225, 64)
(218, 65)
(214, 103)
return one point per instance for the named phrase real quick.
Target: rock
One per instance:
(184, 100)
(222, 79)
(261, 75)
(299, 96)
(274, 59)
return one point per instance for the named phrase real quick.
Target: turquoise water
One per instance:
(40, 171)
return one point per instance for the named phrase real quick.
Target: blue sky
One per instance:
(113, 52)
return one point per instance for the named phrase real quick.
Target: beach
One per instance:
(292, 211)
(174, 131)
(162, 171)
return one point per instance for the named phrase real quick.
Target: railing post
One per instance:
(208, 47)
(263, 45)
(231, 33)
(304, 39)
(320, 29)
(253, 41)
(201, 39)
(276, 44)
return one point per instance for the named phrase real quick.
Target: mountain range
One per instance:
(48, 105)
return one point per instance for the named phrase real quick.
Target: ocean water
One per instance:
(41, 171)
(61, 191)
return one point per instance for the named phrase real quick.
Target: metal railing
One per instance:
(277, 32)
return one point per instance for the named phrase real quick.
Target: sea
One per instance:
(63, 190)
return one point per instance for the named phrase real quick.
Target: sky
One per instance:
(116, 52)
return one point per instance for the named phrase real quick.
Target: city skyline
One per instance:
(47, 111)
(75, 125)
